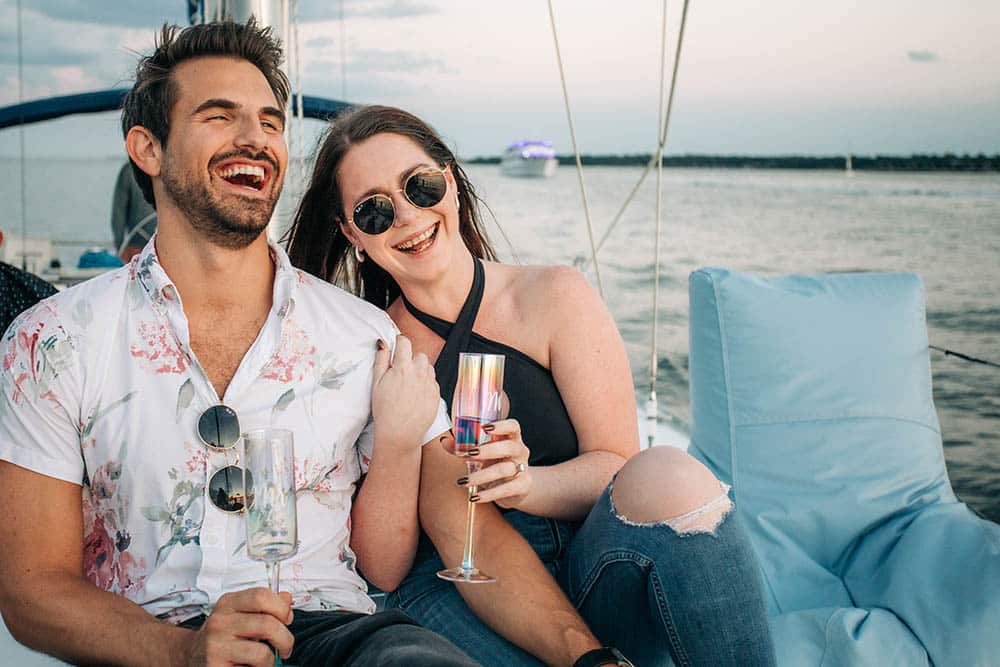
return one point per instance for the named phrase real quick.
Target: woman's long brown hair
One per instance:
(315, 242)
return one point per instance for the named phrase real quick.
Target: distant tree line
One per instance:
(917, 162)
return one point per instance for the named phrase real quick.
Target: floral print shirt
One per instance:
(99, 387)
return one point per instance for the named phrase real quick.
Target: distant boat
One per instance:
(849, 165)
(529, 159)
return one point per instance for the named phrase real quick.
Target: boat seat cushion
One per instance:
(811, 396)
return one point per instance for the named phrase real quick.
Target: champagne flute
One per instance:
(269, 483)
(476, 404)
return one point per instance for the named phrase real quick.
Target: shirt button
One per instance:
(210, 538)
(170, 293)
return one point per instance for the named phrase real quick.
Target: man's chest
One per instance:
(222, 346)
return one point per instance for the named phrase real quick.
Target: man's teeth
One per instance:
(406, 245)
(247, 169)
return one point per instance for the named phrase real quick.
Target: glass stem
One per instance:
(467, 565)
(273, 572)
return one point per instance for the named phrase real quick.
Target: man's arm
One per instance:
(46, 602)
(525, 605)
(49, 606)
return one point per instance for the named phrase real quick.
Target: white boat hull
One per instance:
(529, 167)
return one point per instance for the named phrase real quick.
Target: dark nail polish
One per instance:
(474, 498)
(473, 452)
(462, 481)
(380, 344)
(489, 428)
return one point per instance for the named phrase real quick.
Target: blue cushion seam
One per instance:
(801, 420)
(725, 373)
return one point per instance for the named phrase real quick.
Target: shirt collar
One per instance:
(161, 291)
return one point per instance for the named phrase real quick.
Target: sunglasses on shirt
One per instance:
(219, 430)
(425, 188)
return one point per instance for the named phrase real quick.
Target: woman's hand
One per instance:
(405, 395)
(506, 476)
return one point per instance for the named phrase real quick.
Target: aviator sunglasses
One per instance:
(425, 188)
(219, 430)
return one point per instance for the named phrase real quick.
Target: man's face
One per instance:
(225, 157)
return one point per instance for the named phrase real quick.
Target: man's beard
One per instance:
(233, 223)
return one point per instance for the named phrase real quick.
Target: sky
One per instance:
(770, 78)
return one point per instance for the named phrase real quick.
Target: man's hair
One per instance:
(151, 100)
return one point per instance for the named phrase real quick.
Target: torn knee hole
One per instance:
(704, 519)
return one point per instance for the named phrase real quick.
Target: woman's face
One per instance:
(422, 242)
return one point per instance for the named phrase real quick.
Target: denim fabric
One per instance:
(347, 639)
(695, 599)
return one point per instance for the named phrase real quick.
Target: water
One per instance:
(946, 227)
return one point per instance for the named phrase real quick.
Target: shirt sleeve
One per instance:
(39, 396)
(442, 422)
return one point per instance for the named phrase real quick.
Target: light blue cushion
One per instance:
(811, 395)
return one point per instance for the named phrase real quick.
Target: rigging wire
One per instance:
(653, 159)
(20, 102)
(659, 162)
(343, 54)
(965, 357)
(576, 152)
(662, 131)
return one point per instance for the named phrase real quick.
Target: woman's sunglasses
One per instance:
(219, 429)
(425, 188)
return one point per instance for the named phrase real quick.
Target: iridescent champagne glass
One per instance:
(476, 404)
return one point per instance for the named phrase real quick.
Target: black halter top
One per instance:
(534, 398)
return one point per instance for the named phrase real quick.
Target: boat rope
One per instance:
(964, 357)
(659, 170)
(576, 153)
(343, 53)
(20, 103)
(661, 132)
(652, 160)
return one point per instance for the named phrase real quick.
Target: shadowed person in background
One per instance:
(133, 219)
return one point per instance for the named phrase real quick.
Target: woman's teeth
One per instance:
(419, 243)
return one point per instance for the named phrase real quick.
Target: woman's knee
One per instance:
(665, 485)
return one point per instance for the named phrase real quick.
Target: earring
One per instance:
(358, 254)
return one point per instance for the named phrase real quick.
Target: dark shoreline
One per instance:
(919, 162)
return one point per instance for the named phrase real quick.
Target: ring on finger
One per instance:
(519, 468)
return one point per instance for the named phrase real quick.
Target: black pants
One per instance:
(385, 639)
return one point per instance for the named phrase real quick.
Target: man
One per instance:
(121, 401)
(133, 219)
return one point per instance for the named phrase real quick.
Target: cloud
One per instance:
(37, 52)
(377, 9)
(123, 13)
(922, 56)
(319, 43)
(400, 62)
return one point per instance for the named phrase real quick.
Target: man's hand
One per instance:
(405, 395)
(240, 623)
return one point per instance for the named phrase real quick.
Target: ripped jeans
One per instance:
(694, 597)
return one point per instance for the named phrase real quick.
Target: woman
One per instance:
(591, 542)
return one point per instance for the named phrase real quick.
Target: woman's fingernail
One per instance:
(489, 428)
(462, 481)
(473, 452)
(380, 344)
(474, 498)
